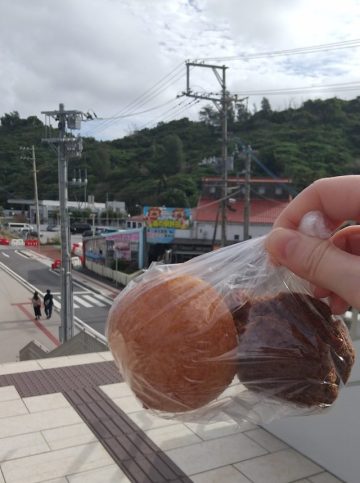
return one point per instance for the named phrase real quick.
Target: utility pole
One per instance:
(67, 147)
(107, 209)
(221, 102)
(36, 197)
(247, 193)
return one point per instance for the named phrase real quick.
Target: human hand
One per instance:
(331, 265)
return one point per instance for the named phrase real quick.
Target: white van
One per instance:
(19, 227)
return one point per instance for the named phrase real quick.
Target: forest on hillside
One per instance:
(162, 165)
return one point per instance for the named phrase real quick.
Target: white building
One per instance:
(49, 209)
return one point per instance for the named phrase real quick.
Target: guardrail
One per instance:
(89, 330)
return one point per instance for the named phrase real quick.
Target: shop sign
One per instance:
(160, 235)
(163, 217)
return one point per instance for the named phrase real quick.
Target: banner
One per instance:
(160, 235)
(124, 245)
(163, 217)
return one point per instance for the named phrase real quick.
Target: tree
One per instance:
(174, 198)
(175, 154)
(242, 113)
(210, 115)
(265, 105)
(10, 120)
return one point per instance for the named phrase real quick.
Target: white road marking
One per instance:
(81, 301)
(6, 255)
(104, 299)
(58, 304)
(93, 300)
(22, 255)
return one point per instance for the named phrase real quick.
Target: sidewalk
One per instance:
(73, 420)
(18, 326)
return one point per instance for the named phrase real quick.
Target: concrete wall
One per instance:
(205, 231)
(331, 439)
(119, 277)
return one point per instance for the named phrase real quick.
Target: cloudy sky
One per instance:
(125, 59)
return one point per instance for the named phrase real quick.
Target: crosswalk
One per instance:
(84, 300)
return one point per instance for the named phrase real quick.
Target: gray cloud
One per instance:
(103, 54)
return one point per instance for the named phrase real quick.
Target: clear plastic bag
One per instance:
(229, 333)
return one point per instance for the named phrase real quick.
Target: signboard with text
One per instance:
(164, 217)
(160, 235)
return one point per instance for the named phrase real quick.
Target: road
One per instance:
(90, 306)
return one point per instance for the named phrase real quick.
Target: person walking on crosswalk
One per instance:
(48, 303)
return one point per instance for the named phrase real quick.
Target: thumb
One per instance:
(318, 261)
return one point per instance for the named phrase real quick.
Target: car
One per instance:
(79, 227)
(53, 228)
(26, 233)
(97, 231)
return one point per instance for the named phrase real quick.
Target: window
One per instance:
(278, 190)
(237, 237)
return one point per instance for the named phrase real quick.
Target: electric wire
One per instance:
(159, 87)
(170, 113)
(342, 87)
(171, 117)
(347, 44)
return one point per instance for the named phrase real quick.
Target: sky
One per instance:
(125, 60)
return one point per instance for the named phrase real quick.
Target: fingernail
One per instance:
(282, 242)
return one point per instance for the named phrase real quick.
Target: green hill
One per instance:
(161, 165)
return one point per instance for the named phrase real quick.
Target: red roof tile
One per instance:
(261, 211)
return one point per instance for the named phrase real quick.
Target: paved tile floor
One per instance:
(44, 439)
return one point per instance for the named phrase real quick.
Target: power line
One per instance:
(173, 76)
(342, 87)
(179, 107)
(172, 116)
(130, 115)
(168, 80)
(347, 44)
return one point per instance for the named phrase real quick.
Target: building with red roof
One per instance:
(268, 197)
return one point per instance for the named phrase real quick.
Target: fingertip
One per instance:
(280, 242)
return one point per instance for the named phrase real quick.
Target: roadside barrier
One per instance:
(31, 243)
(17, 242)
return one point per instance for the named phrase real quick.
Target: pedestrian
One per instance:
(332, 265)
(36, 301)
(48, 303)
